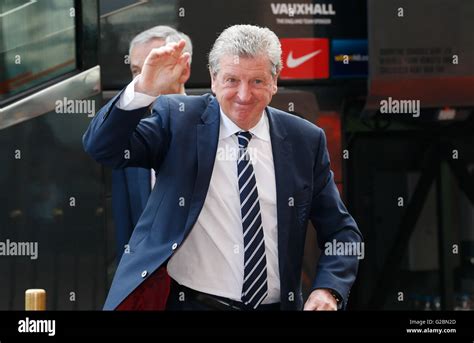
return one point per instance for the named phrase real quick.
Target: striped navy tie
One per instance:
(255, 287)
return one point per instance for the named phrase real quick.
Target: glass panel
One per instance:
(37, 43)
(52, 204)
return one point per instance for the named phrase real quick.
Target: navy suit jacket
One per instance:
(131, 188)
(179, 140)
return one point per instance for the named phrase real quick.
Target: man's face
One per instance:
(244, 87)
(140, 52)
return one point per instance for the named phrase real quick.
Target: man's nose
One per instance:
(244, 92)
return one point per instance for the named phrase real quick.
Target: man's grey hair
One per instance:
(246, 41)
(166, 33)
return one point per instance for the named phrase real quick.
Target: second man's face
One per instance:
(244, 87)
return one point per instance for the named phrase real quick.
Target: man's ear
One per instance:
(185, 74)
(213, 81)
(275, 85)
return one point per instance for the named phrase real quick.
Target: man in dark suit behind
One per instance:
(238, 182)
(131, 187)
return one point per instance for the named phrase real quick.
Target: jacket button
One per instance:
(144, 273)
(175, 245)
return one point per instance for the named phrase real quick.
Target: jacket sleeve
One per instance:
(334, 225)
(119, 139)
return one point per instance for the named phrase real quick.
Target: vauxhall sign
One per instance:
(292, 9)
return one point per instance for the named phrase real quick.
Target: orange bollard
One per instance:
(35, 300)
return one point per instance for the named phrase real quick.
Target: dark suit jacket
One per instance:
(180, 143)
(131, 188)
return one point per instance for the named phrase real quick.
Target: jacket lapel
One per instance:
(206, 141)
(283, 164)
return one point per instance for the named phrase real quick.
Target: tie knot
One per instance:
(244, 138)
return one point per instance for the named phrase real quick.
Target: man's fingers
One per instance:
(326, 307)
(184, 59)
(179, 46)
(318, 305)
(160, 52)
(310, 305)
(173, 50)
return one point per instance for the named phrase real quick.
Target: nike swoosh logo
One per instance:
(296, 62)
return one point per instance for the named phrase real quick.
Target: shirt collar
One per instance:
(229, 128)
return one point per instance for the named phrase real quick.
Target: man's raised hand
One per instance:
(163, 67)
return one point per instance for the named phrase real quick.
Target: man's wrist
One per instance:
(139, 88)
(335, 295)
(131, 100)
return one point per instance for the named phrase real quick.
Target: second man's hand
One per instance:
(162, 67)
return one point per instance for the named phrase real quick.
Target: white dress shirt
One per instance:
(152, 178)
(211, 258)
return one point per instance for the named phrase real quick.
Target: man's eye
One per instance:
(258, 82)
